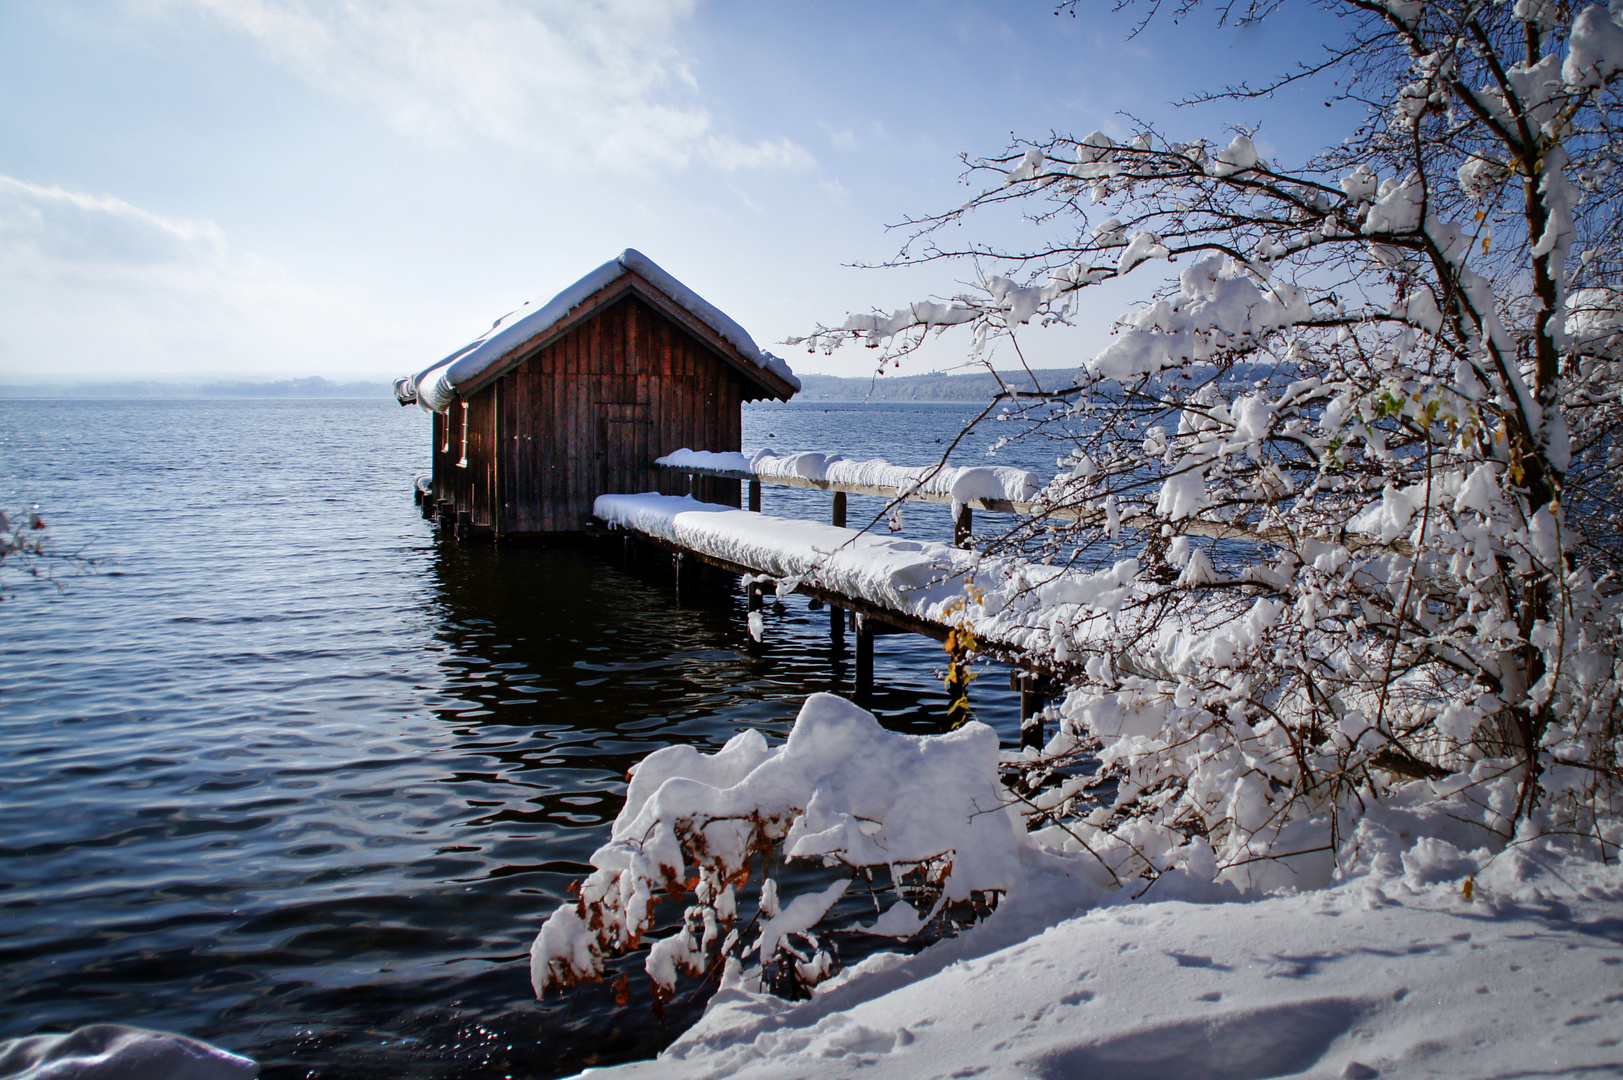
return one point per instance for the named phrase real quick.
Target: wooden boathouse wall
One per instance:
(586, 410)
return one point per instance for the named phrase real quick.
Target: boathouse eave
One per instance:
(633, 283)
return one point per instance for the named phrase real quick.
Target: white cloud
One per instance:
(91, 285)
(840, 138)
(726, 152)
(50, 225)
(581, 83)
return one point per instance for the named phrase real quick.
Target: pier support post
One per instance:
(443, 515)
(755, 496)
(864, 680)
(684, 572)
(836, 615)
(464, 524)
(962, 526)
(1035, 690)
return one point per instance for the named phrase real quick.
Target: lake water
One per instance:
(289, 773)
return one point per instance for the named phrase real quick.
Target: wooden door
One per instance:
(624, 448)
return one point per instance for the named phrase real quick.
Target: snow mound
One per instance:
(1377, 976)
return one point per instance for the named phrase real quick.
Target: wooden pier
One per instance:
(864, 617)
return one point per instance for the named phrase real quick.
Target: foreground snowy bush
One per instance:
(841, 791)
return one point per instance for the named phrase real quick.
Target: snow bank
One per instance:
(435, 386)
(1393, 972)
(960, 484)
(1010, 602)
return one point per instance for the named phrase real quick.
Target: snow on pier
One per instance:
(987, 487)
(1000, 489)
(1011, 605)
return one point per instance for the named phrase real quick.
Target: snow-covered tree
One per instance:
(1353, 459)
(1363, 447)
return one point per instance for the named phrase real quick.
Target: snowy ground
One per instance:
(1389, 974)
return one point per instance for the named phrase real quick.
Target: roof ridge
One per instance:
(436, 385)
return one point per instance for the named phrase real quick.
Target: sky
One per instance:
(266, 189)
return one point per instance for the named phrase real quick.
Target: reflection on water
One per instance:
(293, 776)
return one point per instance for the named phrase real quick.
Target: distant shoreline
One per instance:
(314, 387)
(935, 386)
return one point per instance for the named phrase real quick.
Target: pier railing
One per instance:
(963, 522)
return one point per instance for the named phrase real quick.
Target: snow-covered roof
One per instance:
(435, 386)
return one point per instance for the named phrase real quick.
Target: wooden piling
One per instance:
(864, 674)
(755, 496)
(1035, 690)
(962, 526)
(836, 615)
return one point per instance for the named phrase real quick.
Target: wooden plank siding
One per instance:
(465, 460)
(587, 415)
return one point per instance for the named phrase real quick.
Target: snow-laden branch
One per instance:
(1364, 417)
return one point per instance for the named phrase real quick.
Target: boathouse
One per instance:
(574, 397)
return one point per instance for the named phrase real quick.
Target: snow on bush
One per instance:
(1360, 454)
(842, 791)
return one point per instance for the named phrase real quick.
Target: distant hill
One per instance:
(314, 387)
(936, 386)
